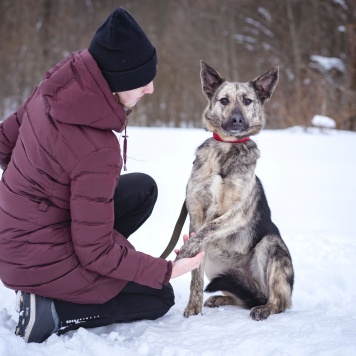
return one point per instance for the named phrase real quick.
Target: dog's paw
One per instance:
(191, 310)
(215, 301)
(190, 249)
(261, 312)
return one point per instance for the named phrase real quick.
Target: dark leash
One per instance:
(176, 232)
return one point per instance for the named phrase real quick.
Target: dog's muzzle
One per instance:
(236, 122)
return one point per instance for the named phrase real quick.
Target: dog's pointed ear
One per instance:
(265, 84)
(210, 79)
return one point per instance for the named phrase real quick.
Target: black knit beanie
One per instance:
(124, 54)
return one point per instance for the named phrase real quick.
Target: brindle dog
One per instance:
(245, 256)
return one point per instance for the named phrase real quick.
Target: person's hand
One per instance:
(186, 265)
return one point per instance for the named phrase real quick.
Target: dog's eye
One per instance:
(247, 101)
(224, 101)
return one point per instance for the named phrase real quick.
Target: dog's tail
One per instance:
(243, 287)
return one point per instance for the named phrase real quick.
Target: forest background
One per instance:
(312, 41)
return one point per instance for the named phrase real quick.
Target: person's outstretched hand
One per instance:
(186, 265)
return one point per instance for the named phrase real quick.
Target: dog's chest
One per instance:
(220, 178)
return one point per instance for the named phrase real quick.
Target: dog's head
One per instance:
(235, 109)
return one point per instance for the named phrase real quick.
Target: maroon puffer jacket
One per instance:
(61, 164)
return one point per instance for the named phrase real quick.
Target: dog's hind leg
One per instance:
(240, 289)
(279, 278)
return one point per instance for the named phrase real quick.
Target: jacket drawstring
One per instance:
(125, 150)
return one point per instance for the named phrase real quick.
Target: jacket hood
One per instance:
(75, 92)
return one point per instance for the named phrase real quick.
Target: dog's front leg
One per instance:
(195, 304)
(190, 249)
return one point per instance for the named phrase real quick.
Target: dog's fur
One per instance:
(245, 256)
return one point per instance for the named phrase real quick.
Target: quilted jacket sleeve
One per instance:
(9, 131)
(99, 247)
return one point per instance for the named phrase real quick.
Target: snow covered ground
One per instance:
(310, 182)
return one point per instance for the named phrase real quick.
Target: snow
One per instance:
(329, 63)
(258, 25)
(242, 39)
(246, 41)
(309, 180)
(323, 122)
(341, 3)
(264, 13)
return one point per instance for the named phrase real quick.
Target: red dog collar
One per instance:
(218, 138)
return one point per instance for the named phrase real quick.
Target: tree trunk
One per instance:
(352, 87)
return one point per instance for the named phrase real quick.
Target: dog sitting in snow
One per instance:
(245, 256)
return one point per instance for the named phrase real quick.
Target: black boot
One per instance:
(38, 318)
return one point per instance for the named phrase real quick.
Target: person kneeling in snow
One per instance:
(65, 215)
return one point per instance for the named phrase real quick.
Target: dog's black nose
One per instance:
(236, 122)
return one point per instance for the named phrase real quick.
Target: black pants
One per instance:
(134, 199)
